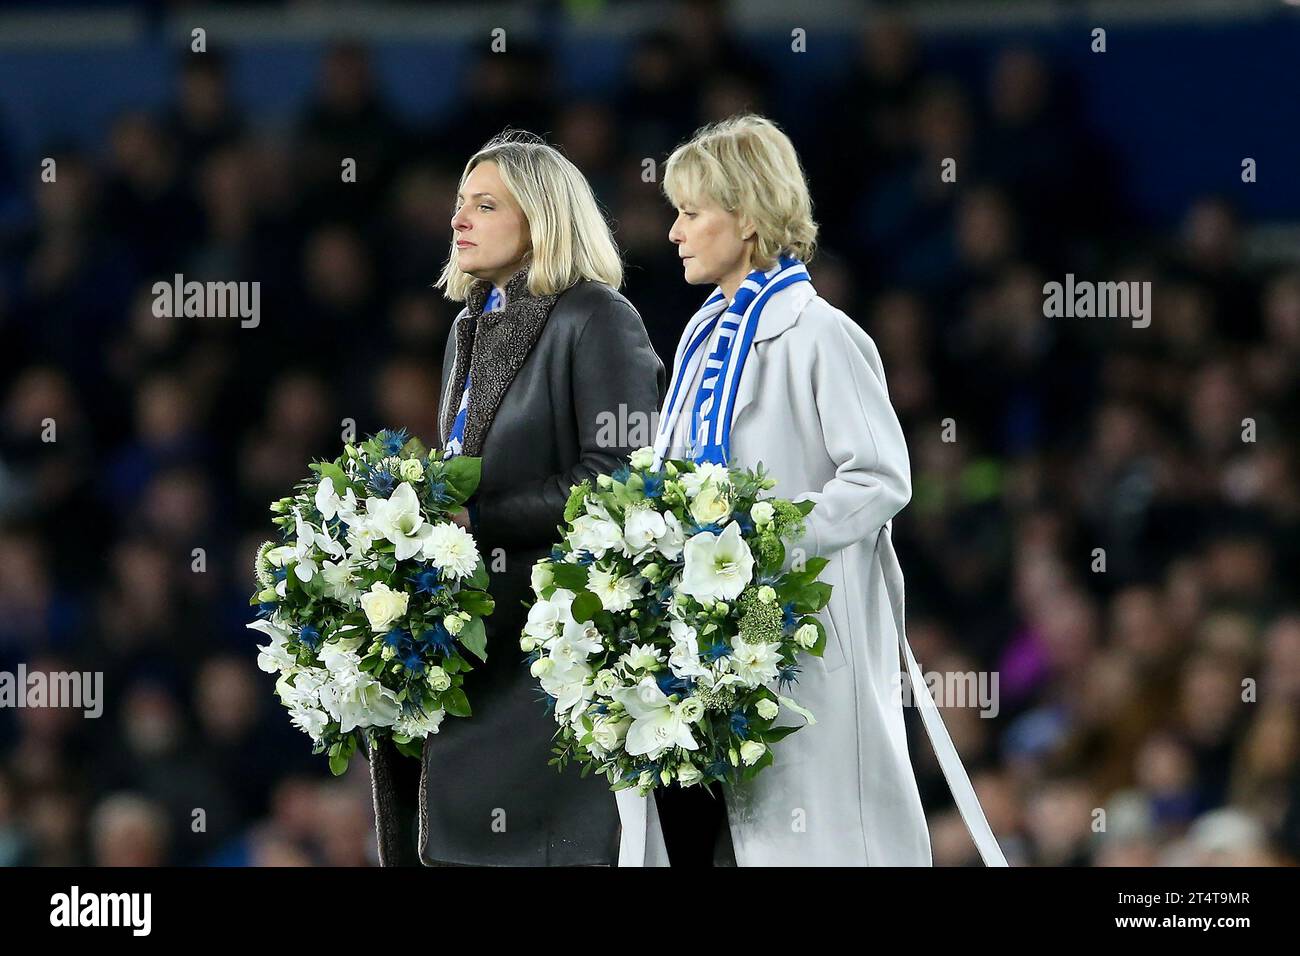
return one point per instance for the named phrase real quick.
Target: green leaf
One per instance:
(774, 734)
(462, 475)
(327, 469)
(474, 639)
(572, 577)
(812, 567)
(456, 702)
(478, 603)
(479, 579)
(412, 748)
(585, 606)
(813, 598)
(414, 448)
(339, 763)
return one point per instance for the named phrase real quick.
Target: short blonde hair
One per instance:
(747, 165)
(570, 239)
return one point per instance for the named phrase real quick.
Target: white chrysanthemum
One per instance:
(451, 549)
(754, 663)
(616, 593)
(642, 657)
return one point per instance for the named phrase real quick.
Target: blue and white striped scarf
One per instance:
(730, 328)
(496, 301)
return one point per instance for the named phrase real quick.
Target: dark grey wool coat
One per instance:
(545, 371)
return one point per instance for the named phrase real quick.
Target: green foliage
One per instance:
(474, 638)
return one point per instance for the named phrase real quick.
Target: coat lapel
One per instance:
(494, 348)
(780, 314)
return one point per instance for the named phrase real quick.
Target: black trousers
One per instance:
(694, 824)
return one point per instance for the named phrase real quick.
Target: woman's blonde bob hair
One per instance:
(570, 239)
(747, 165)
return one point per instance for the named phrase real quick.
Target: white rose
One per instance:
(710, 506)
(454, 624)
(543, 576)
(643, 457)
(542, 666)
(766, 594)
(438, 679)
(610, 733)
(527, 643)
(762, 514)
(410, 469)
(751, 750)
(806, 636)
(688, 774)
(383, 605)
(767, 709)
(691, 709)
(606, 681)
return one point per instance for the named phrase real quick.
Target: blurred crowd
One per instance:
(1149, 690)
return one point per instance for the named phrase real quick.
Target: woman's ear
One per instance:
(747, 229)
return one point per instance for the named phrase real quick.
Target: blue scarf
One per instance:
(496, 301)
(735, 324)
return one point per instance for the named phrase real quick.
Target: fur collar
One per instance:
(493, 348)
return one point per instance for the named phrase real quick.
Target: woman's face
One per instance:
(710, 242)
(490, 229)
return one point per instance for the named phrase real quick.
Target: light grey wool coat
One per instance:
(812, 406)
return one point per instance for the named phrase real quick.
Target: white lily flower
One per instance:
(657, 723)
(399, 519)
(718, 567)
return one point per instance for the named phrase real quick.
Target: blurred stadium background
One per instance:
(1119, 690)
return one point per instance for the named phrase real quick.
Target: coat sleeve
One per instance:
(613, 364)
(863, 438)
